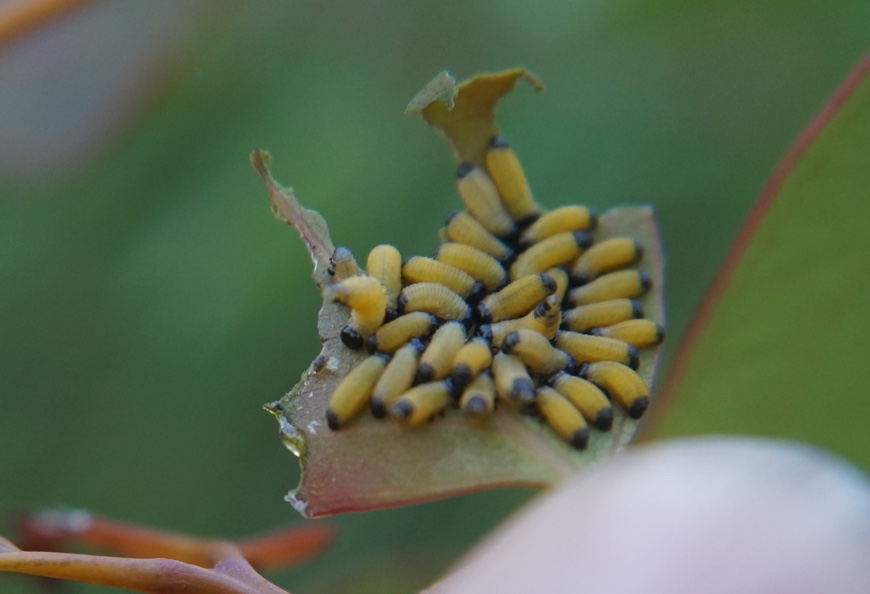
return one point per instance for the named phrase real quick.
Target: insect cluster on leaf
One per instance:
(519, 306)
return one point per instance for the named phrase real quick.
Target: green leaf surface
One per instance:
(780, 342)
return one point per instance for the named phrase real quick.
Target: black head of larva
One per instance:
(476, 405)
(425, 373)
(483, 315)
(402, 409)
(583, 239)
(464, 169)
(351, 338)
(478, 292)
(498, 141)
(645, 281)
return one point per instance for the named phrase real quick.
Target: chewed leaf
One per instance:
(778, 346)
(311, 227)
(464, 112)
(374, 463)
(369, 463)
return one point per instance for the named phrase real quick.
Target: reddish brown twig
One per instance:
(168, 562)
(19, 17)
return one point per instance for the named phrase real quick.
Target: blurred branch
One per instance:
(168, 562)
(19, 17)
(55, 529)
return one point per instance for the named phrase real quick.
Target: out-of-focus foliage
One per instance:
(783, 348)
(150, 303)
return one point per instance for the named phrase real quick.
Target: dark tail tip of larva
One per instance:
(402, 409)
(604, 419)
(332, 419)
(379, 410)
(580, 438)
(638, 407)
(633, 357)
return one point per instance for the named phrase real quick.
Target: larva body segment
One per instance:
(421, 402)
(559, 220)
(482, 200)
(437, 360)
(436, 299)
(516, 299)
(509, 178)
(461, 227)
(477, 264)
(352, 394)
(396, 378)
(601, 313)
(623, 284)
(563, 417)
(610, 254)
(384, 263)
(562, 248)
(621, 383)
(639, 333)
(478, 399)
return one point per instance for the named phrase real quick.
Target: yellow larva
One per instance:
(640, 333)
(563, 417)
(587, 397)
(342, 264)
(561, 278)
(436, 299)
(478, 399)
(602, 313)
(474, 262)
(510, 179)
(352, 394)
(393, 335)
(482, 199)
(566, 218)
(470, 360)
(463, 228)
(437, 360)
(616, 285)
(396, 378)
(621, 383)
(421, 402)
(419, 269)
(516, 299)
(385, 264)
(559, 249)
(584, 347)
(545, 318)
(610, 254)
(512, 381)
(366, 298)
(533, 349)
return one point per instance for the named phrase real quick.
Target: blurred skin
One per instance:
(704, 515)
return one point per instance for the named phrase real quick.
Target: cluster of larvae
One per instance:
(518, 306)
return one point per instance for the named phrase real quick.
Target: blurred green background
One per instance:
(150, 303)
